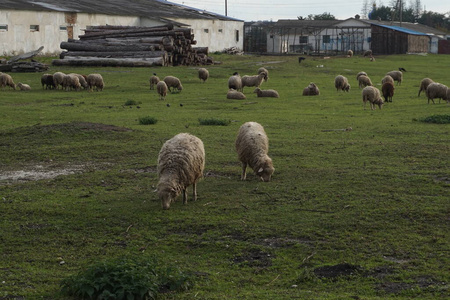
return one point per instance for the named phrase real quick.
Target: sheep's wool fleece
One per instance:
(252, 143)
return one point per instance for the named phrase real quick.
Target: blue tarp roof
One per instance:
(402, 29)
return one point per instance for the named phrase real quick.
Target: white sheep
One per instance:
(253, 80)
(311, 90)
(233, 94)
(153, 81)
(266, 93)
(173, 83)
(23, 86)
(95, 81)
(349, 53)
(436, 90)
(397, 76)
(372, 94)
(161, 88)
(264, 70)
(82, 80)
(6, 80)
(70, 81)
(203, 74)
(235, 82)
(252, 146)
(364, 81)
(181, 162)
(387, 78)
(424, 84)
(58, 79)
(341, 83)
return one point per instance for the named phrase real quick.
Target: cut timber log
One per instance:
(149, 54)
(109, 62)
(102, 48)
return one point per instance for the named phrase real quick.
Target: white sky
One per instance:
(255, 10)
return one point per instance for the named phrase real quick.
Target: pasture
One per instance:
(348, 214)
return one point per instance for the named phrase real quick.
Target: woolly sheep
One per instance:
(161, 88)
(181, 162)
(367, 53)
(397, 76)
(82, 80)
(174, 83)
(203, 74)
(253, 80)
(153, 81)
(266, 93)
(436, 90)
(341, 83)
(349, 53)
(387, 89)
(95, 80)
(47, 81)
(23, 86)
(235, 82)
(261, 70)
(364, 81)
(58, 79)
(311, 90)
(70, 81)
(372, 94)
(387, 78)
(233, 94)
(360, 73)
(6, 80)
(424, 84)
(252, 146)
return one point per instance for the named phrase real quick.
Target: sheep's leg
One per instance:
(244, 169)
(184, 196)
(194, 192)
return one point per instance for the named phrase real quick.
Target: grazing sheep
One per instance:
(364, 81)
(397, 76)
(58, 79)
(24, 87)
(341, 83)
(233, 94)
(95, 80)
(311, 90)
(367, 53)
(349, 53)
(261, 70)
(436, 90)
(173, 83)
(266, 93)
(6, 80)
(252, 146)
(360, 73)
(82, 80)
(161, 88)
(203, 74)
(254, 80)
(47, 80)
(424, 84)
(372, 58)
(71, 81)
(153, 81)
(372, 94)
(181, 162)
(387, 78)
(387, 89)
(235, 82)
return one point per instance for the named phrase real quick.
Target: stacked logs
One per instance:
(134, 47)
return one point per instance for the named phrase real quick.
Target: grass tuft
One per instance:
(132, 102)
(214, 121)
(147, 120)
(437, 119)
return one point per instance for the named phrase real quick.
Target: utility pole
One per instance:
(226, 8)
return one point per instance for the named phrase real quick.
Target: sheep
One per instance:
(266, 93)
(367, 53)
(397, 76)
(95, 80)
(23, 86)
(424, 84)
(6, 80)
(71, 81)
(252, 146)
(253, 80)
(436, 90)
(261, 70)
(372, 94)
(447, 96)
(203, 74)
(364, 81)
(311, 90)
(153, 81)
(48, 82)
(387, 89)
(341, 83)
(82, 80)
(387, 78)
(349, 53)
(58, 79)
(360, 73)
(161, 88)
(233, 94)
(174, 83)
(181, 162)
(235, 82)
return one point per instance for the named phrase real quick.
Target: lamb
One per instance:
(203, 74)
(153, 81)
(311, 90)
(95, 80)
(70, 81)
(349, 53)
(436, 90)
(254, 80)
(360, 73)
(174, 83)
(233, 94)
(372, 94)
(341, 83)
(387, 78)
(161, 88)
(252, 146)
(424, 84)
(235, 82)
(6, 80)
(24, 87)
(364, 81)
(82, 80)
(397, 76)
(368, 53)
(387, 89)
(261, 70)
(266, 93)
(181, 162)
(58, 79)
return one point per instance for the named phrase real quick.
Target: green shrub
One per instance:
(147, 120)
(437, 119)
(213, 121)
(125, 278)
(131, 102)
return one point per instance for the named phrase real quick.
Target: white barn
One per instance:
(26, 25)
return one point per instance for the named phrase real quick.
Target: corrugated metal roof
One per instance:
(407, 26)
(402, 29)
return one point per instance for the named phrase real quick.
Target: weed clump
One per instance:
(437, 119)
(147, 120)
(214, 121)
(131, 102)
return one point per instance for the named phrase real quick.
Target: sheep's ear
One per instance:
(260, 170)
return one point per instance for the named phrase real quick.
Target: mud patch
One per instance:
(254, 258)
(38, 172)
(339, 270)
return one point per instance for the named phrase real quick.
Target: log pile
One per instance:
(133, 47)
(16, 63)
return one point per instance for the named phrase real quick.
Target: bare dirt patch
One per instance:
(38, 172)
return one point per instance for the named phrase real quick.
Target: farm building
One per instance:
(26, 25)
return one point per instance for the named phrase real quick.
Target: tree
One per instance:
(383, 13)
(436, 20)
(324, 16)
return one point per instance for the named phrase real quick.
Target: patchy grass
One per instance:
(437, 119)
(360, 213)
(214, 122)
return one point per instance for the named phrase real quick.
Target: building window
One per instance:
(205, 30)
(34, 27)
(237, 35)
(3, 27)
(62, 28)
(326, 39)
(303, 40)
(220, 30)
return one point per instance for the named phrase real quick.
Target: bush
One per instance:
(213, 121)
(437, 119)
(131, 102)
(147, 120)
(125, 278)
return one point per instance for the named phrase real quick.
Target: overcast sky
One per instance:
(254, 10)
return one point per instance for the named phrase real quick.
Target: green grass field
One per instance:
(360, 214)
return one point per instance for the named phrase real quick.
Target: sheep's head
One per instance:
(167, 195)
(379, 102)
(347, 87)
(266, 170)
(257, 90)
